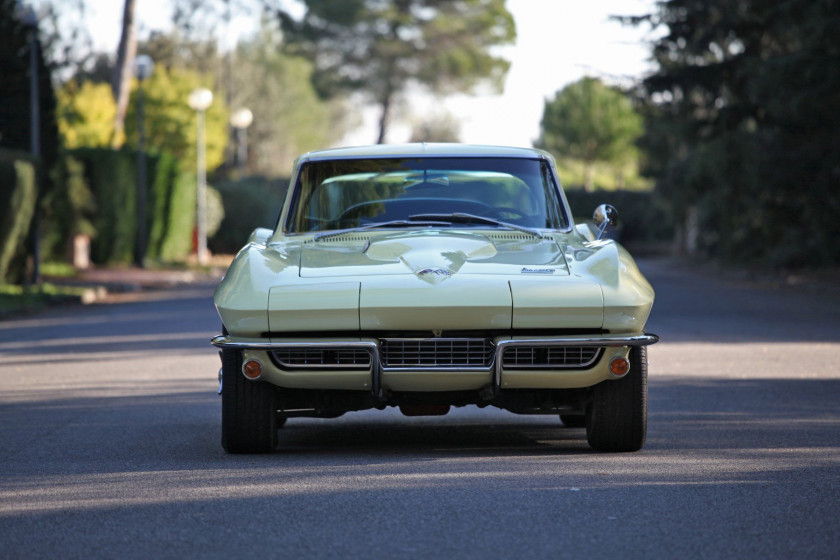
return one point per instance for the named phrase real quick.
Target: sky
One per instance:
(558, 42)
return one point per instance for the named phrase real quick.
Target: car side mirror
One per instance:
(604, 216)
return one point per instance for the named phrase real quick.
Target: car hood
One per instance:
(432, 256)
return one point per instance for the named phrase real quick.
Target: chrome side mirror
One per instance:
(604, 216)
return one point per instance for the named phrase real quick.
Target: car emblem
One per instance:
(537, 271)
(435, 271)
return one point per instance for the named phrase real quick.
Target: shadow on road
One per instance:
(697, 306)
(697, 415)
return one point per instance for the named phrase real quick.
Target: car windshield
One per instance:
(352, 193)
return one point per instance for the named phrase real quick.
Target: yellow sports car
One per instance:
(427, 276)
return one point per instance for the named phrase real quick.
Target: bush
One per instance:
(170, 206)
(18, 197)
(69, 209)
(643, 217)
(171, 210)
(248, 204)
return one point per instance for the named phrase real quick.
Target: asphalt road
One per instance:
(109, 447)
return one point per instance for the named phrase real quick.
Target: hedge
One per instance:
(112, 177)
(644, 218)
(249, 203)
(18, 197)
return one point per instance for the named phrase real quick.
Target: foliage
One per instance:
(85, 114)
(290, 118)
(18, 195)
(112, 175)
(170, 124)
(14, 299)
(645, 221)
(605, 176)
(441, 127)
(743, 125)
(590, 122)
(15, 115)
(171, 207)
(381, 47)
(249, 203)
(69, 209)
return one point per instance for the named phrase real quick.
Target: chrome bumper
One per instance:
(603, 341)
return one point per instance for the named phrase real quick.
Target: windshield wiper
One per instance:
(374, 225)
(464, 218)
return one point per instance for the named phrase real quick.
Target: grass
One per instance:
(16, 299)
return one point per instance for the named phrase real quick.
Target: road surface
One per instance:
(109, 447)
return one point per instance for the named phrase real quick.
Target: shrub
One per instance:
(643, 217)
(248, 203)
(18, 197)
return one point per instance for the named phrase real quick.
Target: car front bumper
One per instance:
(379, 378)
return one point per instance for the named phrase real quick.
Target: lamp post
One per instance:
(199, 100)
(143, 68)
(240, 120)
(29, 19)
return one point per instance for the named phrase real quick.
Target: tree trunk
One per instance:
(384, 119)
(121, 78)
(587, 177)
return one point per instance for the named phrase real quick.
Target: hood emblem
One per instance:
(537, 271)
(435, 271)
(433, 275)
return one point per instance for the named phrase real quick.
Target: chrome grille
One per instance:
(436, 353)
(344, 358)
(549, 357)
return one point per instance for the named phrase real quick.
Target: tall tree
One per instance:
(381, 47)
(590, 122)
(170, 124)
(744, 106)
(121, 78)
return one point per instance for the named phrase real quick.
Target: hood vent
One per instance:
(509, 236)
(342, 240)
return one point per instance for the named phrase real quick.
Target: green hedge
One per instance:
(249, 203)
(18, 197)
(112, 177)
(643, 217)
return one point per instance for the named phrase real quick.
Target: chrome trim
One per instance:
(453, 368)
(356, 366)
(219, 392)
(604, 341)
(576, 365)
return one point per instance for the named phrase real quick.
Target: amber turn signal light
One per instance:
(252, 369)
(619, 366)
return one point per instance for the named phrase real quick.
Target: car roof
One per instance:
(425, 149)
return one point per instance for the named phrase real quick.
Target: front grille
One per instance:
(344, 358)
(549, 357)
(436, 353)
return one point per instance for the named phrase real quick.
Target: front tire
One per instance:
(249, 409)
(616, 419)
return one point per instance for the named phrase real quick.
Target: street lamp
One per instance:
(29, 19)
(199, 100)
(240, 120)
(143, 68)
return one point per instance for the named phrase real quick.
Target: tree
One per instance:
(590, 122)
(170, 124)
(85, 114)
(15, 91)
(289, 117)
(121, 78)
(441, 127)
(381, 47)
(743, 108)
